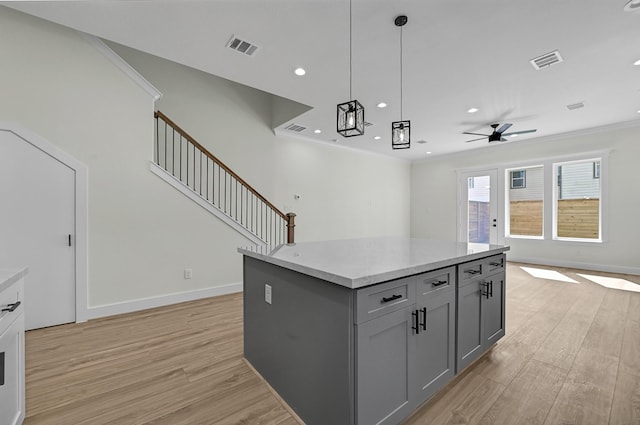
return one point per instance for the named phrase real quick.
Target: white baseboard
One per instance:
(160, 301)
(576, 265)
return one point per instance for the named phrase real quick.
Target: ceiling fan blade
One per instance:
(519, 132)
(475, 140)
(504, 128)
(502, 139)
(476, 134)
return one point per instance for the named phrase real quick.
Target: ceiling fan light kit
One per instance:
(350, 114)
(401, 130)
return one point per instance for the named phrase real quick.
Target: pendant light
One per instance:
(401, 130)
(351, 113)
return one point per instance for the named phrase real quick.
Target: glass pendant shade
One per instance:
(350, 119)
(401, 134)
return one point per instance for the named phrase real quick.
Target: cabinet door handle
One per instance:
(12, 307)
(416, 321)
(423, 310)
(485, 290)
(391, 298)
(438, 283)
(2, 369)
(491, 288)
(472, 271)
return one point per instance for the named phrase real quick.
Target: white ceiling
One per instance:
(457, 55)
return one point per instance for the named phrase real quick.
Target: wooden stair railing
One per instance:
(188, 161)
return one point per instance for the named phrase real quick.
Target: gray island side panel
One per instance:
(302, 342)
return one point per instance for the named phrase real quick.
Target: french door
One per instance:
(478, 207)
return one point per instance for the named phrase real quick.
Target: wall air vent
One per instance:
(242, 46)
(575, 106)
(295, 128)
(546, 60)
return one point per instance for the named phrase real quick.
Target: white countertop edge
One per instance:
(361, 282)
(10, 276)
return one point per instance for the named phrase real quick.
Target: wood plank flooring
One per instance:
(571, 356)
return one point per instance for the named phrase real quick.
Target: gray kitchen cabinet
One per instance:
(386, 356)
(480, 309)
(435, 342)
(371, 349)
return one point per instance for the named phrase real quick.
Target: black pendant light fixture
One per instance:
(351, 113)
(401, 130)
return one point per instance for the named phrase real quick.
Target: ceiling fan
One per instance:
(498, 134)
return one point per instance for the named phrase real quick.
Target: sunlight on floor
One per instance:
(612, 282)
(548, 274)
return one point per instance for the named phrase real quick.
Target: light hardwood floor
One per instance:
(571, 356)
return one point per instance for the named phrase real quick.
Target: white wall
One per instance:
(434, 197)
(142, 233)
(343, 193)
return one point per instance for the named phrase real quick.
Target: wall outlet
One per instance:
(267, 293)
(188, 273)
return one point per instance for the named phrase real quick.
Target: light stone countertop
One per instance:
(9, 276)
(355, 263)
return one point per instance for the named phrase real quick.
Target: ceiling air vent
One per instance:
(575, 106)
(296, 128)
(242, 46)
(546, 60)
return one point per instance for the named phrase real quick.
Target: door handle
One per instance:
(69, 240)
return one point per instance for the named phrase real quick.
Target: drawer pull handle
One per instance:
(416, 321)
(472, 271)
(496, 264)
(12, 307)
(391, 298)
(438, 283)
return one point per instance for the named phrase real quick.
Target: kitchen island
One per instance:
(363, 331)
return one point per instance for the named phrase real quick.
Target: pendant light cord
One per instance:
(350, 78)
(400, 73)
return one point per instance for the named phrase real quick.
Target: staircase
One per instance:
(193, 170)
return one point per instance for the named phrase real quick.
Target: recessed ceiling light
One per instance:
(300, 71)
(317, 131)
(636, 63)
(428, 153)
(638, 111)
(472, 110)
(376, 138)
(382, 105)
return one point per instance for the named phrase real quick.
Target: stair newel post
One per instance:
(290, 227)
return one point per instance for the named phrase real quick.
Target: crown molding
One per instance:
(121, 64)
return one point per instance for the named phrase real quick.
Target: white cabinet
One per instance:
(12, 382)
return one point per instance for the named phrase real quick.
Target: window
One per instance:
(577, 209)
(525, 202)
(518, 179)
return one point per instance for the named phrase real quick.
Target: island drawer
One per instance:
(495, 264)
(471, 270)
(436, 280)
(378, 300)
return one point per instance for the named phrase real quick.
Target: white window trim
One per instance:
(603, 230)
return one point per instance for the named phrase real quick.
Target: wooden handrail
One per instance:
(204, 150)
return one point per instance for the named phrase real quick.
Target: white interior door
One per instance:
(478, 207)
(37, 227)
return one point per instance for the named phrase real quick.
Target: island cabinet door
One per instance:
(435, 342)
(470, 336)
(493, 309)
(385, 355)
